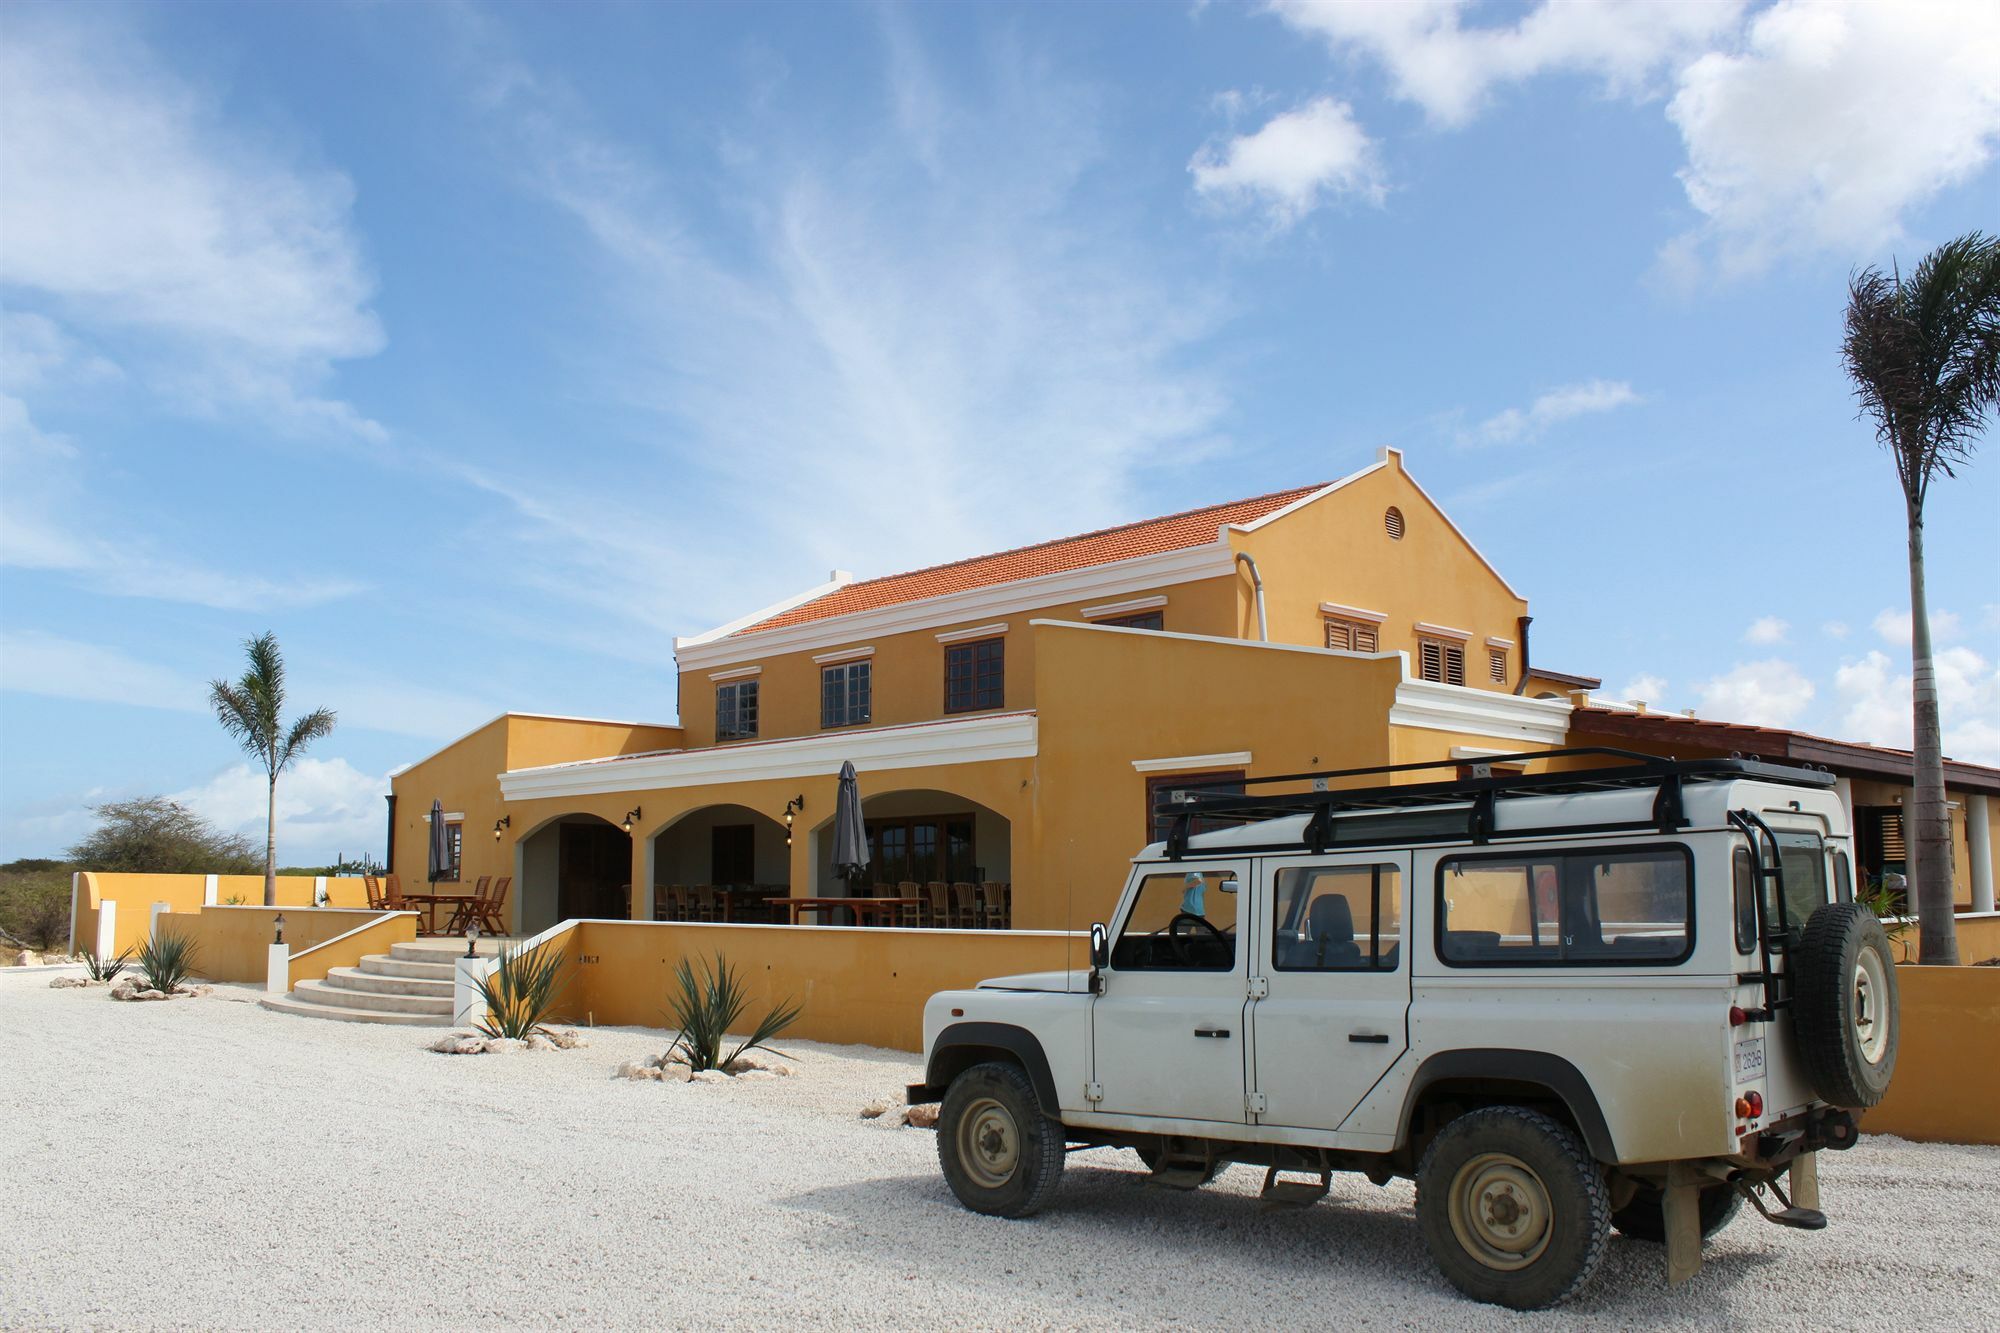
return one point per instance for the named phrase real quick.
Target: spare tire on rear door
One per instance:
(1844, 1005)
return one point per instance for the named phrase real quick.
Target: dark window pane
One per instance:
(1590, 908)
(844, 691)
(1146, 620)
(736, 710)
(974, 676)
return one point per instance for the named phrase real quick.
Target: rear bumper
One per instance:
(1824, 1128)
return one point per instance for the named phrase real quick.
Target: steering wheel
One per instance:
(1183, 939)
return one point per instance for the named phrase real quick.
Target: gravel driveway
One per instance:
(208, 1164)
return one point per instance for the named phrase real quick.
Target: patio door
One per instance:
(593, 866)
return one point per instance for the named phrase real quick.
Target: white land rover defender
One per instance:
(1629, 993)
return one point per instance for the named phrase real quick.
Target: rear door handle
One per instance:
(1211, 1032)
(1378, 1038)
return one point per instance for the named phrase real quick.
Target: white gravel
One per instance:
(210, 1164)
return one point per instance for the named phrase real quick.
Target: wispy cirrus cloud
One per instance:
(1587, 398)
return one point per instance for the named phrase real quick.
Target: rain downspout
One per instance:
(1257, 582)
(1521, 686)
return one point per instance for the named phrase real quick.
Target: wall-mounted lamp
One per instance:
(631, 818)
(279, 926)
(505, 821)
(792, 808)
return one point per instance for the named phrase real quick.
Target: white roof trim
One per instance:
(1307, 499)
(1443, 631)
(1429, 706)
(1191, 762)
(1494, 641)
(976, 632)
(845, 655)
(1123, 608)
(1039, 594)
(839, 579)
(1340, 612)
(736, 673)
(983, 739)
(1476, 752)
(1255, 644)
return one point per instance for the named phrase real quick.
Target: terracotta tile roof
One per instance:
(1152, 536)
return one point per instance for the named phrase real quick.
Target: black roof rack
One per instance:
(1460, 809)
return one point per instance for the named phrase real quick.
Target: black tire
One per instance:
(1645, 1218)
(1512, 1207)
(1000, 1154)
(1844, 1007)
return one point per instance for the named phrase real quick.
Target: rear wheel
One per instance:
(1645, 1217)
(1844, 1005)
(1000, 1154)
(1512, 1207)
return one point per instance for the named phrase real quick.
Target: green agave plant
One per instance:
(706, 1009)
(166, 962)
(521, 994)
(105, 969)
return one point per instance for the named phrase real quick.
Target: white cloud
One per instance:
(1643, 688)
(1874, 697)
(1550, 409)
(32, 662)
(1299, 160)
(325, 807)
(226, 269)
(1894, 627)
(1437, 61)
(1829, 122)
(1766, 630)
(1770, 693)
(1835, 629)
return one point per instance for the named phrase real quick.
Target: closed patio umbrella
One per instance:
(440, 845)
(850, 835)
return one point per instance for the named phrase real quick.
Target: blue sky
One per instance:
(477, 351)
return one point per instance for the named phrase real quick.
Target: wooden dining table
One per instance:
(432, 901)
(863, 908)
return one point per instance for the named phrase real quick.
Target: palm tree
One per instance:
(252, 711)
(1924, 355)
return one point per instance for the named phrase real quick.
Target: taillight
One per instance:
(1738, 1015)
(1749, 1106)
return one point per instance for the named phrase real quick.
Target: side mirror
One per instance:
(1100, 946)
(1230, 885)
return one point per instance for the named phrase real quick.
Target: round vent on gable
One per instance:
(1392, 520)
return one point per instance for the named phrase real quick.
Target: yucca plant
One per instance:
(520, 994)
(166, 962)
(706, 1009)
(105, 969)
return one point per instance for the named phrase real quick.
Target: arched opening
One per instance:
(926, 837)
(573, 866)
(721, 863)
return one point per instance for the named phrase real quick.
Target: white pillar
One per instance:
(210, 887)
(278, 969)
(319, 891)
(466, 974)
(75, 901)
(107, 928)
(1979, 836)
(153, 921)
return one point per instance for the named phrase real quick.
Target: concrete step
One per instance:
(443, 950)
(290, 1004)
(331, 993)
(354, 978)
(382, 965)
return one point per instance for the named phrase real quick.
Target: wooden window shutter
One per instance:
(1340, 634)
(1430, 659)
(1892, 836)
(1365, 639)
(1454, 664)
(1497, 659)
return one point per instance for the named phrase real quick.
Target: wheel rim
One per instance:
(989, 1143)
(1870, 994)
(1500, 1211)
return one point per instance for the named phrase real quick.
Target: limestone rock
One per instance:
(676, 1071)
(27, 958)
(874, 1110)
(636, 1069)
(68, 983)
(535, 1041)
(460, 1043)
(149, 995)
(569, 1039)
(921, 1117)
(756, 1076)
(708, 1076)
(504, 1045)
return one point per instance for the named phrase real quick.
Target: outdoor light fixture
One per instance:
(280, 925)
(631, 817)
(471, 939)
(505, 821)
(792, 808)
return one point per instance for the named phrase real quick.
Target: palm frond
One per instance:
(303, 733)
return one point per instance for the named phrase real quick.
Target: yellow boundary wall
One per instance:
(857, 985)
(1947, 1082)
(233, 943)
(1978, 938)
(136, 894)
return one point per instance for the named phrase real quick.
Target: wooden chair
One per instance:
(377, 900)
(704, 903)
(392, 896)
(464, 914)
(939, 895)
(993, 905)
(493, 909)
(965, 906)
(677, 902)
(911, 913)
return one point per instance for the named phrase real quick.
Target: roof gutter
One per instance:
(1521, 685)
(1257, 582)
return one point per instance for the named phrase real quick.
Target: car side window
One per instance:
(1618, 907)
(1337, 919)
(1746, 902)
(1180, 923)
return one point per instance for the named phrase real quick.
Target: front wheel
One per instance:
(1512, 1207)
(1000, 1154)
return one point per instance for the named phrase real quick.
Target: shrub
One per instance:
(155, 835)
(705, 1008)
(34, 904)
(166, 962)
(102, 969)
(520, 994)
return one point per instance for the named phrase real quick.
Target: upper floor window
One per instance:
(975, 676)
(736, 710)
(1351, 636)
(1144, 620)
(1441, 660)
(844, 691)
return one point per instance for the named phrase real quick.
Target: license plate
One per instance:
(1749, 1059)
